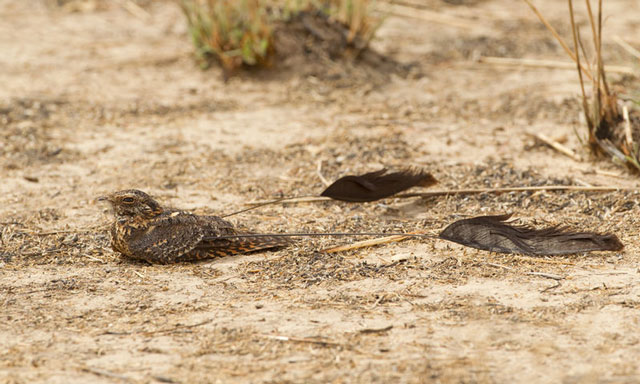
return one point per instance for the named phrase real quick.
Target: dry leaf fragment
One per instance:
(491, 233)
(377, 185)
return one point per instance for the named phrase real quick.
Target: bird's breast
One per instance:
(126, 229)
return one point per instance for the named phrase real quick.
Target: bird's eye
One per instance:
(128, 200)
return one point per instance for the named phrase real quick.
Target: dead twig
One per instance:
(319, 173)
(555, 145)
(558, 283)
(473, 191)
(101, 372)
(541, 274)
(558, 38)
(116, 333)
(10, 223)
(627, 47)
(499, 266)
(376, 330)
(430, 16)
(177, 327)
(302, 340)
(370, 243)
(534, 63)
(95, 259)
(135, 9)
(378, 301)
(63, 231)
(543, 261)
(58, 232)
(163, 379)
(602, 172)
(292, 200)
(468, 191)
(627, 127)
(545, 275)
(166, 330)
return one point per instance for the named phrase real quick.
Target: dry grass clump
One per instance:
(611, 127)
(238, 33)
(230, 31)
(358, 17)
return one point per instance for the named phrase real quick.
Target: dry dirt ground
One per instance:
(95, 98)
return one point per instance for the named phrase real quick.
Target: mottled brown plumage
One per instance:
(145, 230)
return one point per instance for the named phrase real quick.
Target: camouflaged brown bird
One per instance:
(145, 230)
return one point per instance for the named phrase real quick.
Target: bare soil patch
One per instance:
(96, 99)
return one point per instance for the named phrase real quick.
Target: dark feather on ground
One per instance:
(491, 233)
(376, 185)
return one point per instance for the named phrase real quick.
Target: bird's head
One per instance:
(132, 202)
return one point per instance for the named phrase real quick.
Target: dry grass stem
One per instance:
(468, 191)
(627, 47)
(376, 330)
(543, 261)
(602, 113)
(541, 274)
(320, 176)
(135, 10)
(358, 17)
(578, 42)
(302, 340)
(555, 145)
(554, 64)
(430, 16)
(557, 36)
(546, 275)
(627, 126)
(91, 229)
(472, 191)
(499, 266)
(371, 242)
(556, 285)
(149, 333)
(102, 372)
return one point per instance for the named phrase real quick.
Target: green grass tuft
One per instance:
(239, 33)
(233, 32)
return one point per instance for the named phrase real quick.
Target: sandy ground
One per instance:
(101, 99)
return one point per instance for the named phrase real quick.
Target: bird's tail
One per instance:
(211, 248)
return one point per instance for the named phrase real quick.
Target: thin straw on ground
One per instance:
(553, 64)
(430, 16)
(555, 145)
(469, 191)
(627, 47)
(371, 242)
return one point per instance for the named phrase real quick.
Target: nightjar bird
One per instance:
(145, 230)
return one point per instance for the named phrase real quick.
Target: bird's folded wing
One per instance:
(214, 226)
(168, 238)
